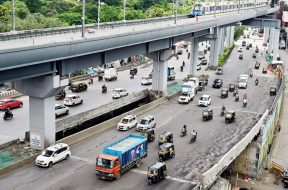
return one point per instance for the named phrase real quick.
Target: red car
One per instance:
(10, 103)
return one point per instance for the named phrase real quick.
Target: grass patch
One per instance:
(223, 57)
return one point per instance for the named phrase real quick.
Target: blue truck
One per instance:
(121, 156)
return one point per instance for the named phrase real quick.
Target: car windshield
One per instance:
(125, 121)
(242, 80)
(145, 78)
(144, 121)
(1, 102)
(115, 91)
(152, 171)
(184, 94)
(101, 162)
(229, 115)
(204, 98)
(47, 153)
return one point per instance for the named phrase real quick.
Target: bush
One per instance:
(222, 58)
(239, 30)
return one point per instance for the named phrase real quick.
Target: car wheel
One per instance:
(138, 164)
(21, 105)
(67, 157)
(50, 164)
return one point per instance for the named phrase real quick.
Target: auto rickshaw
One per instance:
(165, 137)
(166, 151)
(156, 172)
(230, 116)
(201, 85)
(232, 87)
(257, 65)
(254, 55)
(149, 134)
(264, 70)
(133, 71)
(224, 93)
(207, 114)
(61, 95)
(256, 50)
(241, 56)
(273, 91)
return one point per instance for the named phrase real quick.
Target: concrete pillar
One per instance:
(276, 43)
(41, 91)
(227, 37)
(271, 38)
(160, 69)
(266, 34)
(232, 31)
(221, 41)
(214, 48)
(194, 56)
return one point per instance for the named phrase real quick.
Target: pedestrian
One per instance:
(177, 57)
(183, 64)
(181, 68)
(188, 55)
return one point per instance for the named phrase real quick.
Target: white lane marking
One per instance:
(84, 159)
(168, 177)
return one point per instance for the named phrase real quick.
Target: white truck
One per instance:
(110, 74)
(243, 81)
(196, 83)
(187, 93)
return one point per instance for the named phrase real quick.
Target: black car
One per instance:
(241, 56)
(232, 87)
(149, 134)
(217, 83)
(224, 93)
(79, 87)
(257, 65)
(165, 137)
(133, 71)
(166, 151)
(61, 95)
(273, 91)
(207, 114)
(254, 55)
(230, 116)
(156, 172)
(243, 43)
(264, 70)
(256, 50)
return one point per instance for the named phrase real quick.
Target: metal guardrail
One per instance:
(73, 29)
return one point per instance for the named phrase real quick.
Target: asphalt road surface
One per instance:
(214, 139)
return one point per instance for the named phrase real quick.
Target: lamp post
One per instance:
(215, 8)
(13, 15)
(239, 7)
(98, 19)
(175, 11)
(83, 18)
(124, 10)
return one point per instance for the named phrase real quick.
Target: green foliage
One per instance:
(70, 18)
(21, 9)
(54, 7)
(222, 58)
(34, 5)
(239, 30)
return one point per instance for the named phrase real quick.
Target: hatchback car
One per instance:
(119, 92)
(127, 122)
(10, 103)
(146, 122)
(61, 110)
(53, 154)
(205, 100)
(146, 80)
(72, 100)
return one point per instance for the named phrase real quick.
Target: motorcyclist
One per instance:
(256, 81)
(244, 102)
(183, 64)
(223, 110)
(193, 134)
(104, 88)
(184, 130)
(7, 113)
(251, 73)
(132, 76)
(181, 68)
(237, 97)
(90, 80)
(245, 96)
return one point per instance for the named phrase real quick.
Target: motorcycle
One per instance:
(183, 132)
(104, 90)
(235, 92)
(8, 117)
(244, 103)
(256, 82)
(236, 98)
(223, 111)
(251, 74)
(131, 76)
(100, 78)
(90, 81)
(181, 68)
(192, 139)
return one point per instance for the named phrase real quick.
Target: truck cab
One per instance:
(108, 166)
(171, 73)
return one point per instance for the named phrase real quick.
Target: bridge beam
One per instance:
(41, 91)
(262, 22)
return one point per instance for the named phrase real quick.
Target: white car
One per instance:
(198, 66)
(119, 92)
(186, 97)
(239, 49)
(146, 122)
(205, 100)
(72, 100)
(127, 122)
(61, 110)
(53, 154)
(146, 80)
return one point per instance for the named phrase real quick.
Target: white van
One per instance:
(110, 74)
(243, 81)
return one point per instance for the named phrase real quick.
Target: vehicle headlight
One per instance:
(110, 175)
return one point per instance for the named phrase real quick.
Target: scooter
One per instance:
(131, 76)
(183, 133)
(192, 139)
(104, 90)
(9, 117)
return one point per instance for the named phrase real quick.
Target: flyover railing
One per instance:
(73, 29)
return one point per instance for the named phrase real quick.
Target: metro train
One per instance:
(200, 9)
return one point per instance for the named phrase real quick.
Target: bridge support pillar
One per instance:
(41, 91)
(266, 34)
(194, 56)
(276, 43)
(221, 41)
(232, 31)
(214, 50)
(271, 38)
(227, 37)
(160, 70)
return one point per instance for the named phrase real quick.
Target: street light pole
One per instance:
(83, 18)
(215, 8)
(98, 19)
(239, 7)
(175, 11)
(13, 15)
(124, 10)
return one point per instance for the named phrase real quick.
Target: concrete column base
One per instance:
(271, 38)
(276, 43)
(194, 56)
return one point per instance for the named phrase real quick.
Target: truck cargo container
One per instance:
(121, 156)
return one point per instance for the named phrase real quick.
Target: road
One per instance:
(214, 139)
(93, 97)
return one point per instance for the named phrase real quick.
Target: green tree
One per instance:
(70, 18)
(54, 7)
(34, 5)
(21, 9)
